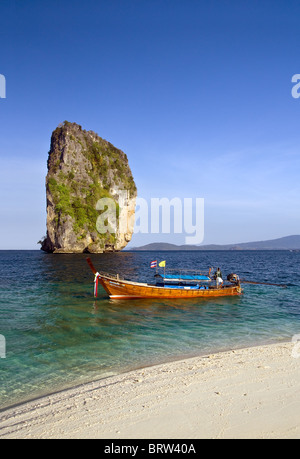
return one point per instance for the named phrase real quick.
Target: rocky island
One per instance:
(83, 168)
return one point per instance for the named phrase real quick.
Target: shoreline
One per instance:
(242, 393)
(150, 364)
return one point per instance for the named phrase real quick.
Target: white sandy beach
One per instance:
(247, 393)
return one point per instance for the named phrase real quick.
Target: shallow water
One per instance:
(58, 336)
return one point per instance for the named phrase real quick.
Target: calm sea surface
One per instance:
(58, 336)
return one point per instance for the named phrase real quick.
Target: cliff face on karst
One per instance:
(85, 172)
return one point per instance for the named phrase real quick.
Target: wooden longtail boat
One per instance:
(118, 288)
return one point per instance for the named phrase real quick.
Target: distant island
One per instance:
(283, 243)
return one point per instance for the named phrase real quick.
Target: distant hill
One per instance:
(283, 243)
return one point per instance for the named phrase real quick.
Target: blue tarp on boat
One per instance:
(186, 277)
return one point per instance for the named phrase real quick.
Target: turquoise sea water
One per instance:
(58, 336)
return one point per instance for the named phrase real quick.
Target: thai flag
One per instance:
(153, 264)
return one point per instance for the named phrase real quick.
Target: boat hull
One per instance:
(119, 289)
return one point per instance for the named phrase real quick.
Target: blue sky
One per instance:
(197, 93)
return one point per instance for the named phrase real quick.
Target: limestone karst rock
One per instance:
(83, 171)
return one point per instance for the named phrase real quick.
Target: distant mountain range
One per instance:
(283, 243)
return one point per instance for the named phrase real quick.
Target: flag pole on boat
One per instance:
(153, 264)
(162, 264)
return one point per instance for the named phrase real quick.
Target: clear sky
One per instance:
(196, 93)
